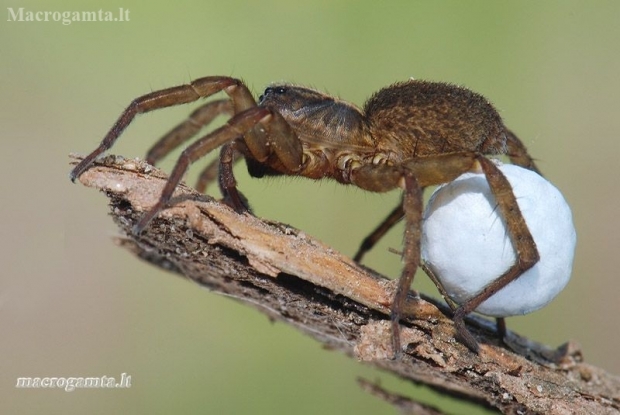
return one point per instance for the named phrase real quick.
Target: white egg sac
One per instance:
(465, 242)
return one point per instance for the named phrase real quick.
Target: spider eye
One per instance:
(274, 90)
(278, 90)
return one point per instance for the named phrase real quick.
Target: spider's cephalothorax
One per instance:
(409, 135)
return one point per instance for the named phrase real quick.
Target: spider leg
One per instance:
(371, 240)
(201, 117)
(412, 176)
(207, 176)
(210, 173)
(280, 141)
(522, 240)
(412, 208)
(228, 185)
(427, 173)
(518, 153)
(418, 173)
(444, 294)
(183, 94)
(500, 323)
(236, 127)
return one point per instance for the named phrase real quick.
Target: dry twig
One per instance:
(296, 279)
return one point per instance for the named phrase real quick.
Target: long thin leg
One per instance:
(207, 176)
(383, 178)
(522, 240)
(440, 287)
(235, 128)
(412, 208)
(426, 172)
(228, 185)
(280, 140)
(199, 88)
(370, 241)
(501, 327)
(210, 173)
(201, 117)
(500, 322)
(197, 120)
(518, 153)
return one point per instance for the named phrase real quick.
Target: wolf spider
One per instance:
(409, 135)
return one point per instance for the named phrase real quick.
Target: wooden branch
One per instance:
(296, 279)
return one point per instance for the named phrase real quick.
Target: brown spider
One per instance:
(410, 135)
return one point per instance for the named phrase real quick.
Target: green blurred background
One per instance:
(73, 304)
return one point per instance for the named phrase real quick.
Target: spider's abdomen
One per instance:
(420, 118)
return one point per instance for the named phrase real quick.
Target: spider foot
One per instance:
(396, 345)
(463, 333)
(234, 199)
(147, 218)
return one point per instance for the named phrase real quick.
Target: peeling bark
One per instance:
(298, 280)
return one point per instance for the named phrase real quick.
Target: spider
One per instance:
(409, 135)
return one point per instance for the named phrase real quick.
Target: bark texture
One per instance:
(293, 278)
